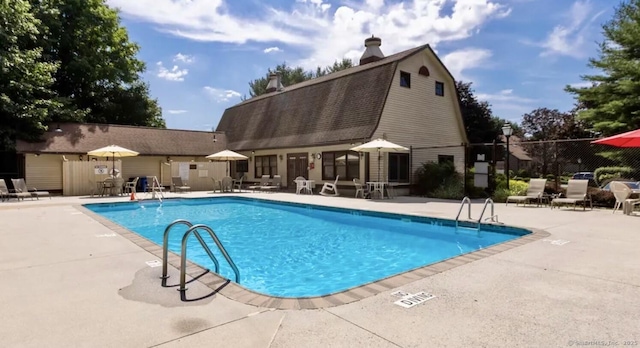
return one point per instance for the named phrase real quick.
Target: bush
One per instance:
(433, 175)
(516, 188)
(450, 190)
(602, 198)
(603, 173)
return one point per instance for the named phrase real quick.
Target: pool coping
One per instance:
(241, 294)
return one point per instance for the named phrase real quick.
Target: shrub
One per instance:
(602, 198)
(451, 189)
(433, 175)
(604, 173)
(516, 188)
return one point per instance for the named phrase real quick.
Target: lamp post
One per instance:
(579, 164)
(507, 131)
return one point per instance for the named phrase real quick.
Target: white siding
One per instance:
(417, 117)
(44, 172)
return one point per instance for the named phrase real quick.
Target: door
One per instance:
(297, 165)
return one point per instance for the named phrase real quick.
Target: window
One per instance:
(440, 88)
(266, 165)
(445, 158)
(399, 167)
(346, 164)
(405, 79)
(242, 166)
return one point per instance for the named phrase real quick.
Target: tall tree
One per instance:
(25, 97)
(291, 75)
(97, 63)
(612, 102)
(548, 124)
(476, 115)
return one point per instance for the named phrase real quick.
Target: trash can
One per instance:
(142, 184)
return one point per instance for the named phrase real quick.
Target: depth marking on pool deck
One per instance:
(408, 300)
(556, 241)
(238, 293)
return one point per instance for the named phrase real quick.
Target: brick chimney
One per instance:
(373, 52)
(275, 83)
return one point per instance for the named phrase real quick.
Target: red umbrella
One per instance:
(628, 139)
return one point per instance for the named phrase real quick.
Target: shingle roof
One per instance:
(82, 138)
(335, 108)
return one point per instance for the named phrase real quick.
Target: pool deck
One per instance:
(69, 280)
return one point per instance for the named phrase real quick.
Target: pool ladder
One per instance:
(466, 200)
(193, 229)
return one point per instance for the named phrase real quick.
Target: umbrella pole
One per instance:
(378, 165)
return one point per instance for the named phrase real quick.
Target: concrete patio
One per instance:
(69, 281)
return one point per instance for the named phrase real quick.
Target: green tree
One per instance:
(291, 75)
(25, 97)
(548, 124)
(612, 102)
(97, 63)
(477, 115)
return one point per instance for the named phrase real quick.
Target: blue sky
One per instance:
(519, 54)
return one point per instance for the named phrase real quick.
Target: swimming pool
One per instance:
(295, 250)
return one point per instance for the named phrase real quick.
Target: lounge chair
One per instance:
(360, 189)
(275, 184)
(178, 185)
(264, 181)
(21, 186)
(237, 184)
(534, 192)
(5, 193)
(622, 193)
(330, 189)
(576, 192)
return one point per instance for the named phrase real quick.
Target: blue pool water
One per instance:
(292, 250)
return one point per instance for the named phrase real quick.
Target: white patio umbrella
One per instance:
(227, 156)
(113, 151)
(379, 146)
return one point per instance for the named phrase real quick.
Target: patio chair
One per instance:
(330, 189)
(217, 185)
(576, 192)
(302, 185)
(21, 186)
(5, 193)
(226, 184)
(178, 185)
(264, 181)
(275, 184)
(622, 193)
(238, 184)
(360, 190)
(130, 186)
(534, 192)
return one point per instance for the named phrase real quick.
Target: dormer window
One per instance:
(405, 79)
(440, 89)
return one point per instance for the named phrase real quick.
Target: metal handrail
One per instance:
(183, 256)
(468, 202)
(165, 247)
(486, 202)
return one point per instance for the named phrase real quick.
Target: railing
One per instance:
(165, 248)
(466, 201)
(183, 254)
(493, 217)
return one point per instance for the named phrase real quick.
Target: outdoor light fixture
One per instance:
(507, 131)
(214, 138)
(80, 157)
(58, 129)
(579, 164)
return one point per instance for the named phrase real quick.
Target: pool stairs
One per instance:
(467, 201)
(193, 229)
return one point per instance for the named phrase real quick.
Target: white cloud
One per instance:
(173, 74)
(581, 84)
(272, 49)
(183, 58)
(221, 95)
(572, 39)
(175, 112)
(465, 59)
(506, 104)
(323, 33)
